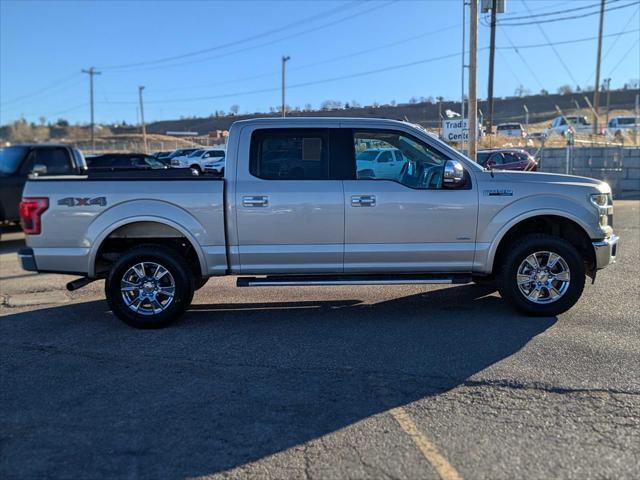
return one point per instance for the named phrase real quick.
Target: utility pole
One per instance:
(285, 59)
(464, 50)
(637, 123)
(607, 84)
(526, 118)
(596, 90)
(91, 72)
(473, 100)
(492, 55)
(144, 127)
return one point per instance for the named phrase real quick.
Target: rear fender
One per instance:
(145, 211)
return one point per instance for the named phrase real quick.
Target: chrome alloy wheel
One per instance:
(543, 277)
(147, 288)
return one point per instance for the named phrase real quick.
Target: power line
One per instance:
(526, 64)
(606, 54)
(577, 40)
(624, 57)
(49, 87)
(546, 37)
(270, 42)
(318, 63)
(378, 70)
(511, 47)
(304, 84)
(559, 19)
(558, 12)
(267, 33)
(507, 63)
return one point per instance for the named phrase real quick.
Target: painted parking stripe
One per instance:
(426, 447)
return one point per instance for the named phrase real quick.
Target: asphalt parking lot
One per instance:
(350, 382)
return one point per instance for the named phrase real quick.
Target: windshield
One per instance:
(579, 120)
(482, 157)
(367, 155)
(154, 162)
(197, 153)
(10, 158)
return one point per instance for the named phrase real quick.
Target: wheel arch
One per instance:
(558, 223)
(143, 229)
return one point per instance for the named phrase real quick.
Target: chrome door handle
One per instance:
(255, 201)
(363, 200)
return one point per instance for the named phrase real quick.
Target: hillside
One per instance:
(541, 108)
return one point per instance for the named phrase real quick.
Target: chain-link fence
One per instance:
(618, 165)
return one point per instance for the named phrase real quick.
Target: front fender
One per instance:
(144, 211)
(495, 228)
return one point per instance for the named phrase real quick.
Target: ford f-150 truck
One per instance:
(293, 209)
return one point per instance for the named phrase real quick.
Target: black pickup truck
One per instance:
(17, 162)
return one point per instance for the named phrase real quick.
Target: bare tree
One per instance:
(234, 109)
(565, 90)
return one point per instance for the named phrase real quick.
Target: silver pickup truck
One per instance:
(304, 201)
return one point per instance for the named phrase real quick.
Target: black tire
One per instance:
(181, 276)
(200, 282)
(196, 167)
(518, 252)
(485, 281)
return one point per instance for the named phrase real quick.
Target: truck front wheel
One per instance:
(149, 287)
(542, 275)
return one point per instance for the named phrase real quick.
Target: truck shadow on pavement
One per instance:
(86, 397)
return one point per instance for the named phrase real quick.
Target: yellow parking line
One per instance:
(428, 449)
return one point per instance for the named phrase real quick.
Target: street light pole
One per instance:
(285, 59)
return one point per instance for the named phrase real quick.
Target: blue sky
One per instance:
(413, 45)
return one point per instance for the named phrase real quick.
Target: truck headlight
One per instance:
(604, 205)
(600, 200)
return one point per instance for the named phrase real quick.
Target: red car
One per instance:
(507, 159)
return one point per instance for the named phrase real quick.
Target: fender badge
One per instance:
(498, 192)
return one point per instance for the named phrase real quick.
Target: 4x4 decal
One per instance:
(83, 201)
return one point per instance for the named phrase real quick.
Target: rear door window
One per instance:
(290, 154)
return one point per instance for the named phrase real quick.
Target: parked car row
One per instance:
(201, 159)
(128, 161)
(575, 124)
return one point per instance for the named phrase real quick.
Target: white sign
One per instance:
(455, 130)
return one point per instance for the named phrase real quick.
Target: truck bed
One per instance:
(85, 210)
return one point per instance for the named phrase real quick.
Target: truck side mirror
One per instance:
(453, 174)
(39, 169)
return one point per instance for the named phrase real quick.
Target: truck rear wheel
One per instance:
(542, 275)
(149, 287)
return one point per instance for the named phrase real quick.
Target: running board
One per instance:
(313, 280)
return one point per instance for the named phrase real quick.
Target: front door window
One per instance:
(382, 155)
